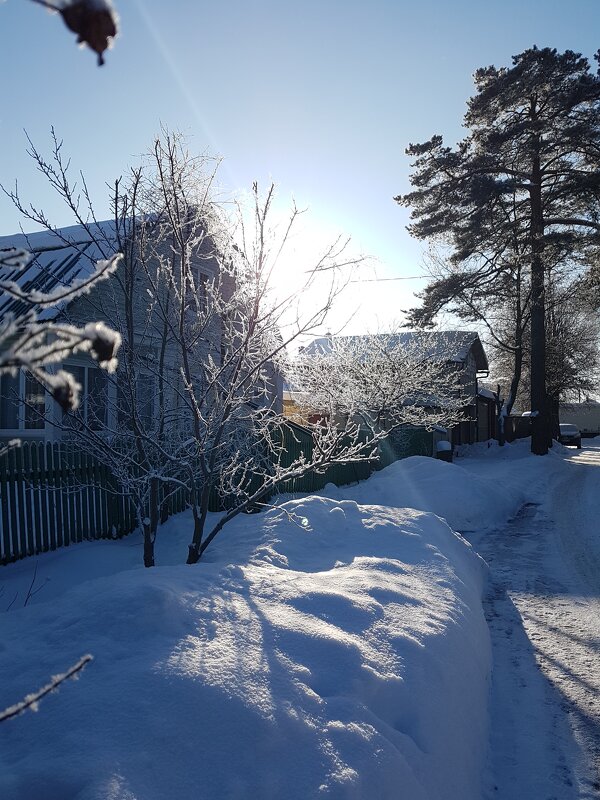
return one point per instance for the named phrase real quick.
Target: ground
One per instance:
(352, 645)
(543, 610)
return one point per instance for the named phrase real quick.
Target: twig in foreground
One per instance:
(32, 700)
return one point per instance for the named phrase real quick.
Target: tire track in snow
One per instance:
(544, 741)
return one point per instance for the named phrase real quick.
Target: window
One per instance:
(200, 281)
(22, 402)
(9, 401)
(145, 392)
(96, 396)
(35, 403)
(93, 400)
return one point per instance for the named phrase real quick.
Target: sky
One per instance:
(321, 97)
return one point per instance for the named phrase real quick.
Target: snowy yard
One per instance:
(336, 647)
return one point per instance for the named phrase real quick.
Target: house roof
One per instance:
(68, 255)
(58, 260)
(444, 345)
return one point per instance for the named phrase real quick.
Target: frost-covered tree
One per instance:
(194, 405)
(135, 427)
(534, 139)
(382, 383)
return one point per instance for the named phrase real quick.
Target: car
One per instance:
(569, 434)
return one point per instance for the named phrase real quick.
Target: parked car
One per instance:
(569, 434)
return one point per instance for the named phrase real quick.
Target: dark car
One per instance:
(570, 434)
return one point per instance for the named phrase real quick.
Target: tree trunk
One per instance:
(500, 418)
(539, 421)
(148, 547)
(151, 524)
(553, 402)
(193, 554)
(516, 379)
(195, 548)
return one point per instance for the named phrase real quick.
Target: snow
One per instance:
(467, 501)
(450, 346)
(68, 258)
(332, 647)
(543, 611)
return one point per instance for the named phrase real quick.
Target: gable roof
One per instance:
(58, 260)
(453, 346)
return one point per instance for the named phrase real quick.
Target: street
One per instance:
(543, 611)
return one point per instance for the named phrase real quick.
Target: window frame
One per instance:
(22, 378)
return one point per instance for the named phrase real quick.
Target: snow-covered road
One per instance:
(543, 610)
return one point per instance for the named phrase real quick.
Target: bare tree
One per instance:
(380, 384)
(195, 406)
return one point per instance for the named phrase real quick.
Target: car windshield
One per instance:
(569, 429)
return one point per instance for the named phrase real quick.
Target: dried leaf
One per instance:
(94, 23)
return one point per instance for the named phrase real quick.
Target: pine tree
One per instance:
(534, 140)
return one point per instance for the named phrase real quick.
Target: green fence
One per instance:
(404, 442)
(297, 441)
(53, 495)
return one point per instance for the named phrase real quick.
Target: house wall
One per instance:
(106, 303)
(466, 432)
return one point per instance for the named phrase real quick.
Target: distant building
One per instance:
(461, 350)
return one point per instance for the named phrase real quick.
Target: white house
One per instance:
(26, 409)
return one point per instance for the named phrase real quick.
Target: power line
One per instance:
(403, 278)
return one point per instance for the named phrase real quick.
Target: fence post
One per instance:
(17, 479)
(6, 541)
(51, 489)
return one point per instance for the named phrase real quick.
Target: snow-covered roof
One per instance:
(58, 259)
(486, 393)
(447, 345)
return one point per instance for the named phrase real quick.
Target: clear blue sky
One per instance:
(322, 96)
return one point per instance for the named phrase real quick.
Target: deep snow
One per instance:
(333, 647)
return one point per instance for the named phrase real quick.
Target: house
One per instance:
(486, 414)
(125, 302)
(465, 357)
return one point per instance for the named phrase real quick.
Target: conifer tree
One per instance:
(534, 138)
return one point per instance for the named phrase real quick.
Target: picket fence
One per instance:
(54, 494)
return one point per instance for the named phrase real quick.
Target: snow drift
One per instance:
(343, 655)
(466, 500)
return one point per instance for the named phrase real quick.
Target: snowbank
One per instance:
(466, 500)
(343, 654)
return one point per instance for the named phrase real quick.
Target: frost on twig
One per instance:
(31, 701)
(32, 344)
